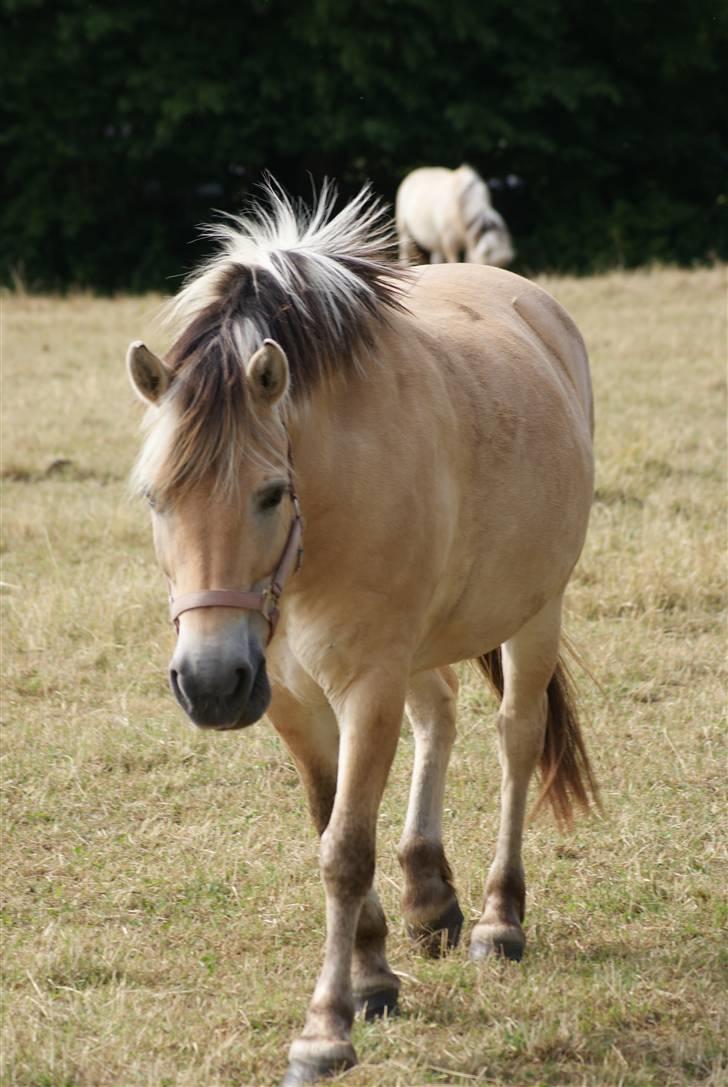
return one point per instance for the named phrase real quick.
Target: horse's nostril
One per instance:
(242, 686)
(176, 686)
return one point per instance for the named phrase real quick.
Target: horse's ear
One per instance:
(149, 377)
(267, 373)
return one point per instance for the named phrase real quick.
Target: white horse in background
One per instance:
(448, 213)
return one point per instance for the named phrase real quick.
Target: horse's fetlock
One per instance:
(428, 886)
(421, 857)
(505, 893)
(332, 1015)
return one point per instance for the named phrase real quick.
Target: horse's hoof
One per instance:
(440, 935)
(311, 1060)
(377, 1004)
(299, 1072)
(505, 941)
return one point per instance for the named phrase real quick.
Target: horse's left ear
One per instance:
(267, 373)
(149, 377)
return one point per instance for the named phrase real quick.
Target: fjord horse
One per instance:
(449, 215)
(425, 437)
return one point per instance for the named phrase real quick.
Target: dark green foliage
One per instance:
(123, 125)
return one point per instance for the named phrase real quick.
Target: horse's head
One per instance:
(490, 241)
(290, 301)
(221, 520)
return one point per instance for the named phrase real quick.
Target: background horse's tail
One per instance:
(566, 774)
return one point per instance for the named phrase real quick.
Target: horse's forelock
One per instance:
(321, 285)
(207, 422)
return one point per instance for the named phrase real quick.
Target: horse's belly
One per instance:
(426, 233)
(477, 630)
(500, 575)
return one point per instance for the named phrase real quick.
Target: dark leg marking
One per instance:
(429, 890)
(441, 934)
(499, 931)
(375, 987)
(377, 1005)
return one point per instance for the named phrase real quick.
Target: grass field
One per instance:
(162, 915)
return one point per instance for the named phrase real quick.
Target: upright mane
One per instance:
(322, 285)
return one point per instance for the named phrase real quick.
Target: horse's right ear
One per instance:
(267, 373)
(149, 377)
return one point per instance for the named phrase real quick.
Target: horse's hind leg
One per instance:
(409, 251)
(311, 734)
(529, 660)
(429, 902)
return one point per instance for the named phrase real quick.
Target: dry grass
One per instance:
(162, 916)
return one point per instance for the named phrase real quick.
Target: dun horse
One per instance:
(449, 214)
(427, 434)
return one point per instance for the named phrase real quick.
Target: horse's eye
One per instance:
(150, 499)
(271, 497)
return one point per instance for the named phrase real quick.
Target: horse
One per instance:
(359, 475)
(447, 213)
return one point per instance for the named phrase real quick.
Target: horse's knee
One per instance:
(347, 863)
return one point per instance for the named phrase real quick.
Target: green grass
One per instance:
(161, 915)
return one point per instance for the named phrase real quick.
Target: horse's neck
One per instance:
(347, 438)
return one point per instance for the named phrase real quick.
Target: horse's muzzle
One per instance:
(221, 696)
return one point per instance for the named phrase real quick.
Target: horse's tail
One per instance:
(567, 780)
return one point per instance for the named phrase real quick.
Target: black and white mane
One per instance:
(322, 285)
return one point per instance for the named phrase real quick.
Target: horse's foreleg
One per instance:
(529, 660)
(429, 902)
(311, 734)
(450, 246)
(370, 717)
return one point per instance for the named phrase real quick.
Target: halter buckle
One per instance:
(270, 597)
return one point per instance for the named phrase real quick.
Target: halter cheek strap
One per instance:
(264, 600)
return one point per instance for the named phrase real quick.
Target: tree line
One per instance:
(601, 125)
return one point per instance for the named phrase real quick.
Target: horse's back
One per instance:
(484, 309)
(433, 183)
(423, 183)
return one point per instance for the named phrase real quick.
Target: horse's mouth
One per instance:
(217, 716)
(257, 703)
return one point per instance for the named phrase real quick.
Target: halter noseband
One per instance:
(264, 600)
